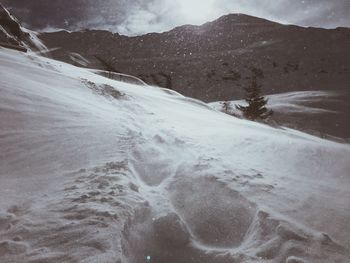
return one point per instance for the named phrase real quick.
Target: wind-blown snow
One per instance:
(35, 41)
(291, 101)
(96, 170)
(323, 113)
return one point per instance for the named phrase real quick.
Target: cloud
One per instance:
(162, 15)
(134, 17)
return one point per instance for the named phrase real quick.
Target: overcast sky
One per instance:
(134, 17)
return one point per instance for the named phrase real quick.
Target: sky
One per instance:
(135, 17)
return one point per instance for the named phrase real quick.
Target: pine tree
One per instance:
(226, 107)
(108, 65)
(256, 108)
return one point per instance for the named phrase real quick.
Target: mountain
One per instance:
(13, 35)
(215, 61)
(97, 170)
(93, 169)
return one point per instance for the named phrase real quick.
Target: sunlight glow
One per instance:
(197, 11)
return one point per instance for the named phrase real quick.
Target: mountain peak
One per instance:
(239, 19)
(227, 23)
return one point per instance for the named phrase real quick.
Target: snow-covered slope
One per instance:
(96, 170)
(322, 113)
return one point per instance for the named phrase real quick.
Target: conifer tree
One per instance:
(226, 107)
(256, 108)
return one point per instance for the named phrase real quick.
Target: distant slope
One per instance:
(323, 113)
(214, 61)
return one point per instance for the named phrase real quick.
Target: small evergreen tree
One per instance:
(256, 108)
(226, 107)
(108, 65)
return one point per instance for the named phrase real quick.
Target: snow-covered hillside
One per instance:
(96, 170)
(320, 112)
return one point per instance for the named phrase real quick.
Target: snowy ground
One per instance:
(96, 170)
(322, 113)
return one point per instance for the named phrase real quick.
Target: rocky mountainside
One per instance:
(215, 61)
(14, 36)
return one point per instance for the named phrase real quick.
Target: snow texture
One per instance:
(322, 113)
(97, 170)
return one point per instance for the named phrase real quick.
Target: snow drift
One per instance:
(97, 170)
(320, 112)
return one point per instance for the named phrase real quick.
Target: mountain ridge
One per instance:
(14, 36)
(215, 61)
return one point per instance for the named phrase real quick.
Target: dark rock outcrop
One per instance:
(13, 36)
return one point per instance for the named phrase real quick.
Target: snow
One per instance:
(97, 170)
(291, 102)
(320, 112)
(78, 59)
(35, 41)
(28, 40)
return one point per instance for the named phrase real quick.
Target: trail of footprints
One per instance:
(85, 225)
(104, 216)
